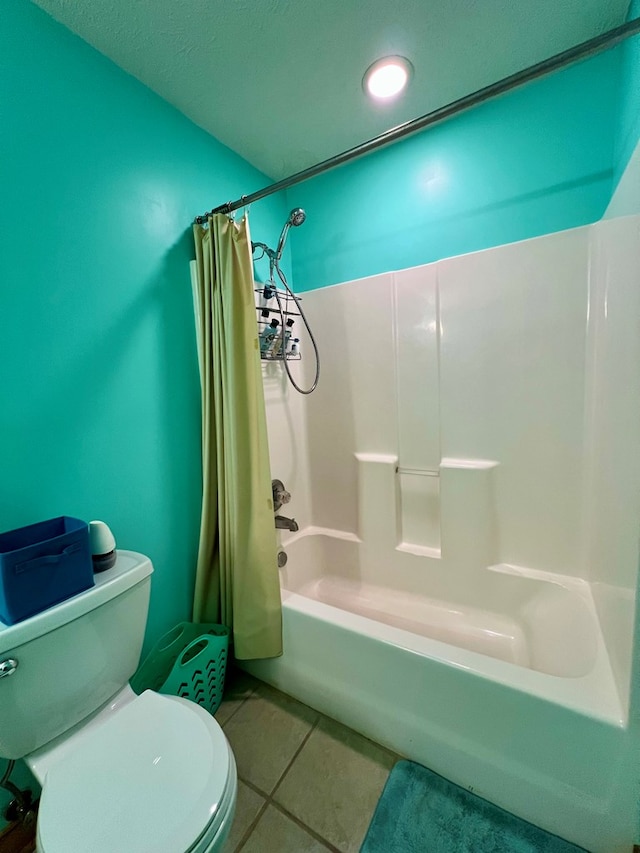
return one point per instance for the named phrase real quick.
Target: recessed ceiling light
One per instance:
(387, 77)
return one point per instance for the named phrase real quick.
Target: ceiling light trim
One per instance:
(387, 78)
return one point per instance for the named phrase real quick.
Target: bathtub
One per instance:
(506, 690)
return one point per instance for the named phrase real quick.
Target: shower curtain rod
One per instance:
(567, 57)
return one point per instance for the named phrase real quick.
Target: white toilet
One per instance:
(119, 772)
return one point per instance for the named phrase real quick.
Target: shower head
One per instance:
(296, 217)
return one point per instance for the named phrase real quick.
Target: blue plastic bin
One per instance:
(41, 565)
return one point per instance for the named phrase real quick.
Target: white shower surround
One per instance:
(469, 466)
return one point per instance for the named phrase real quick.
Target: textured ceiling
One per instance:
(279, 81)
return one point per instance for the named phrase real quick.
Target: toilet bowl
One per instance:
(151, 773)
(120, 773)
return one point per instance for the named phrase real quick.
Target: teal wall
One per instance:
(537, 160)
(99, 393)
(628, 130)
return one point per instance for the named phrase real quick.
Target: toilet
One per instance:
(119, 772)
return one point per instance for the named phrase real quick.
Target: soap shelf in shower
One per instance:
(285, 300)
(265, 356)
(288, 304)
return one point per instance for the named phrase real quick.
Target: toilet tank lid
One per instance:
(152, 779)
(130, 568)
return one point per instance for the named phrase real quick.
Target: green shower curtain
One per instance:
(237, 574)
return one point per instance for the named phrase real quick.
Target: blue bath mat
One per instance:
(420, 812)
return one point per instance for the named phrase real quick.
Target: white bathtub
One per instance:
(510, 695)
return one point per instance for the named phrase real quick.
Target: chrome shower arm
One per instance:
(273, 256)
(265, 250)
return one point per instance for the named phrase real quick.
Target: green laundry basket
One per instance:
(190, 661)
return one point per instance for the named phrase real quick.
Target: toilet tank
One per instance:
(72, 658)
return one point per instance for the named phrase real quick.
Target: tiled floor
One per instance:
(306, 783)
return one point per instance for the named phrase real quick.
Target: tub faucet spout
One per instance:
(283, 523)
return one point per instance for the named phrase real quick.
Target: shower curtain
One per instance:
(237, 575)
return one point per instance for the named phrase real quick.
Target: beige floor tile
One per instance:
(276, 833)
(227, 709)
(238, 686)
(265, 734)
(247, 807)
(334, 784)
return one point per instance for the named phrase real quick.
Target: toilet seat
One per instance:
(158, 777)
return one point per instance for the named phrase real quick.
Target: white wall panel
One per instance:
(288, 448)
(416, 297)
(612, 445)
(513, 323)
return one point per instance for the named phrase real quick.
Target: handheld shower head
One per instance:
(296, 217)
